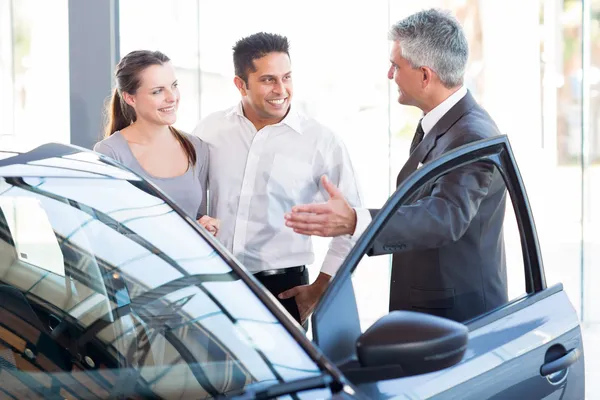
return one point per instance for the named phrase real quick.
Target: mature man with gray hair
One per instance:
(448, 243)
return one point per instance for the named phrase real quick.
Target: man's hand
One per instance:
(307, 296)
(334, 218)
(210, 224)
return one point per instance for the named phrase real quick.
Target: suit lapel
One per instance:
(429, 141)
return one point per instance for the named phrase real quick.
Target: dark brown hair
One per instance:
(127, 79)
(256, 46)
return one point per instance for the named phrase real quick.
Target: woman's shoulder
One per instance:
(200, 145)
(192, 138)
(111, 146)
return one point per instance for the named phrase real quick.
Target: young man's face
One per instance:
(268, 93)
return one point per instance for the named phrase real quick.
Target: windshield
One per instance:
(107, 291)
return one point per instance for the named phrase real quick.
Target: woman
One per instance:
(139, 133)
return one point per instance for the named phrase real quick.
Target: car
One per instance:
(107, 289)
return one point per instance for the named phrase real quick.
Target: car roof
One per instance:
(61, 160)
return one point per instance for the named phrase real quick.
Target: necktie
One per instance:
(417, 138)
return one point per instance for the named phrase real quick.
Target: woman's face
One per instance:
(157, 98)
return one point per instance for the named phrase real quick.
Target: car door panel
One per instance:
(504, 359)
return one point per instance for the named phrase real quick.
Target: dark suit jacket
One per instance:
(448, 241)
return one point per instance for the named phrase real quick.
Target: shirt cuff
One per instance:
(363, 219)
(331, 263)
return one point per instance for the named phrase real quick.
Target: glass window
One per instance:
(453, 259)
(555, 178)
(35, 91)
(6, 67)
(177, 37)
(138, 304)
(33, 236)
(591, 221)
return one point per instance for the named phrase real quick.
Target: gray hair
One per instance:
(434, 38)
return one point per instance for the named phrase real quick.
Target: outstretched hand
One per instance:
(330, 219)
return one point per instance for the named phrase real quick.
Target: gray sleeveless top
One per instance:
(188, 191)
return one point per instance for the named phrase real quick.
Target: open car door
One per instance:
(528, 347)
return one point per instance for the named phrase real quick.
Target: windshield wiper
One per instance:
(281, 389)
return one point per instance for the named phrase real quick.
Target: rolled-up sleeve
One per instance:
(363, 219)
(340, 172)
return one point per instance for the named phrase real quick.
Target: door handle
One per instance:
(561, 363)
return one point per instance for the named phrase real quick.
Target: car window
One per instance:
(33, 236)
(107, 291)
(456, 249)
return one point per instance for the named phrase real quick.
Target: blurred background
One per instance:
(534, 65)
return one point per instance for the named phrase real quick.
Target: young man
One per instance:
(265, 157)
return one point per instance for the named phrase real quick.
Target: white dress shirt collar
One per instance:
(432, 117)
(292, 119)
(363, 216)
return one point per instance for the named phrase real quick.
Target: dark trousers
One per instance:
(283, 280)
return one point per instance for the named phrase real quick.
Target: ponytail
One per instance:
(119, 114)
(186, 144)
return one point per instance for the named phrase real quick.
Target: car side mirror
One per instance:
(406, 343)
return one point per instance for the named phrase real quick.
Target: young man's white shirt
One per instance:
(257, 177)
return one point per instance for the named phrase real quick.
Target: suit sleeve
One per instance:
(440, 217)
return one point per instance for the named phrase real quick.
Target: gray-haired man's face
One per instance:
(408, 79)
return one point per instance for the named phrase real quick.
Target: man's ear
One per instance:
(240, 85)
(426, 76)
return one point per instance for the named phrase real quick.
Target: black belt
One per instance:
(281, 271)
